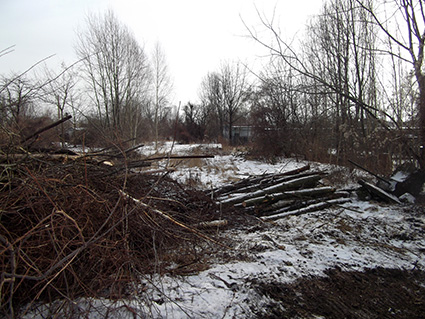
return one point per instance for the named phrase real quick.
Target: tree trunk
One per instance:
(297, 194)
(308, 209)
(421, 81)
(308, 181)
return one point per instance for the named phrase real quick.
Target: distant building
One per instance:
(239, 134)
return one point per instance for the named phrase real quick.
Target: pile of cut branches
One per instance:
(274, 196)
(72, 226)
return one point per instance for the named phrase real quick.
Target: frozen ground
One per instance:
(223, 169)
(354, 236)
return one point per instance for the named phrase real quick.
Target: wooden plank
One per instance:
(379, 192)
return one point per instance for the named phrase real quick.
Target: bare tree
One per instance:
(162, 86)
(16, 101)
(226, 92)
(341, 54)
(276, 110)
(60, 93)
(115, 68)
(212, 102)
(338, 61)
(234, 88)
(411, 41)
(194, 122)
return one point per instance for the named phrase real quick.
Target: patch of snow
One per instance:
(352, 236)
(400, 176)
(176, 148)
(407, 198)
(355, 236)
(225, 169)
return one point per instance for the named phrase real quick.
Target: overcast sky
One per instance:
(196, 35)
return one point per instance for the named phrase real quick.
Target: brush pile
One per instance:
(72, 226)
(275, 196)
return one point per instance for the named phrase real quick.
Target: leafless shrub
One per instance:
(72, 228)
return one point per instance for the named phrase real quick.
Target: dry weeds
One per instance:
(73, 228)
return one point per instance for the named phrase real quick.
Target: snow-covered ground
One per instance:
(354, 236)
(218, 171)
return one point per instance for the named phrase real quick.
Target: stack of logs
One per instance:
(275, 196)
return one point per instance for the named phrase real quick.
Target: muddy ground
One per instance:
(375, 293)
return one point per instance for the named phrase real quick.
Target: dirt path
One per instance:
(375, 293)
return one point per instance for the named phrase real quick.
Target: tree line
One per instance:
(351, 88)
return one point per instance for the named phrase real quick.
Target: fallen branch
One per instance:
(171, 219)
(306, 181)
(308, 209)
(266, 182)
(370, 172)
(259, 182)
(158, 171)
(48, 127)
(124, 152)
(296, 194)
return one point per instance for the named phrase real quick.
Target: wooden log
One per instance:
(295, 171)
(259, 181)
(279, 205)
(228, 189)
(267, 182)
(379, 192)
(262, 200)
(296, 194)
(307, 181)
(308, 209)
(287, 205)
(157, 171)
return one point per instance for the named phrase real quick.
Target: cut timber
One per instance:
(257, 182)
(375, 190)
(296, 194)
(158, 171)
(307, 181)
(280, 204)
(295, 171)
(308, 209)
(267, 182)
(285, 205)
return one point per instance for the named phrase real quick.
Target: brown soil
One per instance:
(374, 293)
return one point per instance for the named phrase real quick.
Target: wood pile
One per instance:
(275, 196)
